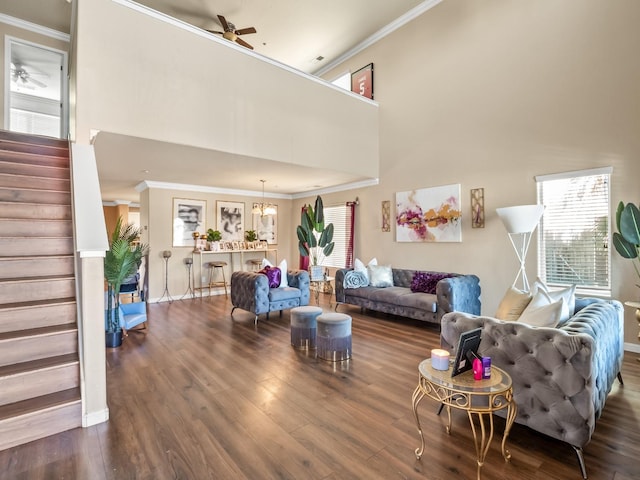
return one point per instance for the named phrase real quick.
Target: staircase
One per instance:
(39, 367)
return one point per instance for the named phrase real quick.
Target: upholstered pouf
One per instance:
(303, 327)
(333, 339)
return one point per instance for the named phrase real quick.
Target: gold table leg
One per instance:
(482, 444)
(512, 411)
(418, 395)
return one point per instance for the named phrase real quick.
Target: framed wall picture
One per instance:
(188, 217)
(266, 226)
(477, 208)
(386, 215)
(231, 220)
(362, 81)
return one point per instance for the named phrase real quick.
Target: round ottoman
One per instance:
(303, 327)
(334, 337)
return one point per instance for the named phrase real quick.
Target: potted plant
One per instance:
(121, 261)
(315, 239)
(214, 237)
(627, 239)
(250, 236)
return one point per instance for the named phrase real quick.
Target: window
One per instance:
(573, 238)
(340, 216)
(343, 81)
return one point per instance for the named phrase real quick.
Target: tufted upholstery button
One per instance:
(530, 352)
(526, 385)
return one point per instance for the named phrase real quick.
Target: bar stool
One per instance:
(333, 337)
(255, 264)
(213, 266)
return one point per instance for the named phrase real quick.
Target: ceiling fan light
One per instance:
(232, 37)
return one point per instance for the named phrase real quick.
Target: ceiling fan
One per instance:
(18, 72)
(231, 34)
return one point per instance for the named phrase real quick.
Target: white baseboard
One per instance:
(214, 291)
(631, 347)
(94, 418)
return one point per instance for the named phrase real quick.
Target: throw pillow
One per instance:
(543, 316)
(513, 304)
(359, 266)
(380, 276)
(273, 276)
(568, 294)
(426, 281)
(283, 270)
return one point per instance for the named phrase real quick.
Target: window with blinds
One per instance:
(340, 216)
(573, 236)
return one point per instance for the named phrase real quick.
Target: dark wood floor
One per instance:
(201, 396)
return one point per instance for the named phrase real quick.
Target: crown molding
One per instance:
(115, 203)
(148, 184)
(338, 188)
(380, 34)
(35, 28)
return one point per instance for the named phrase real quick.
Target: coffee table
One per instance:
(479, 398)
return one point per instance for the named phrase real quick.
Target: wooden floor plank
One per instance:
(201, 395)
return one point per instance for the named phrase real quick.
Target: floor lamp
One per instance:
(520, 222)
(166, 254)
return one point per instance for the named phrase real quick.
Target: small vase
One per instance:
(113, 339)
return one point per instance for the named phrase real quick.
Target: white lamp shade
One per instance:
(521, 218)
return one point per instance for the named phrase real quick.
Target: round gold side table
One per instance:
(479, 398)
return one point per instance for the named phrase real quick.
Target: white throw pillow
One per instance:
(543, 316)
(380, 276)
(513, 304)
(283, 270)
(568, 294)
(359, 266)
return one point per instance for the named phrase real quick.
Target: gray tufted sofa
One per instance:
(561, 376)
(458, 293)
(250, 291)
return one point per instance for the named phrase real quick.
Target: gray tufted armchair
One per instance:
(250, 291)
(561, 376)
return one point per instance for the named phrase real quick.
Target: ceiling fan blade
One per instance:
(243, 43)
(244, 31)
(37, 82)
(223, 22)
(215, 31)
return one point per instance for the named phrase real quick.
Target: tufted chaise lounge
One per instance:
(250, 291)
(561, 376)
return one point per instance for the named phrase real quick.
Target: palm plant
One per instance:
(315, 239)
(121, 261)
(627, 238)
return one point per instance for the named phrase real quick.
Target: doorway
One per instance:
(35, 89)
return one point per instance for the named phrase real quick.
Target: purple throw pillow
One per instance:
(426, 281)
(273, 276)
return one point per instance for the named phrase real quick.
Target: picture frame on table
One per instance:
(188, 217)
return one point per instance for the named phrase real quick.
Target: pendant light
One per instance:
(263, 208)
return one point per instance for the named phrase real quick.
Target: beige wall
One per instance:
(182, 88)
(489, 94)
(22, 34)
(156, 206)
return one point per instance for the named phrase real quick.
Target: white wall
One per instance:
(139, 76)
(490, 94)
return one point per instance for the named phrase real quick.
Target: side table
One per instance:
(479, 398)
(317, 285)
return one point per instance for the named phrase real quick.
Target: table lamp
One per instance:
(520, 222)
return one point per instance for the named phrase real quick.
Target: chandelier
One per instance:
(263, 208)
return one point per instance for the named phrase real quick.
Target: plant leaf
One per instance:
(630, 224)
(623, 247)
(618, 213)
(319, 216)
(328, 250)
(303, 249)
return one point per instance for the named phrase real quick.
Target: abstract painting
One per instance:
(429, 215)
(231, 220)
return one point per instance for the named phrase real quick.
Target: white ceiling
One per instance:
(293, 32)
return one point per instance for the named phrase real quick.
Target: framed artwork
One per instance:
(231, 220)
(429, 215)
(386, 215)
(362, 81)
(188, 217)
(477, 208)
(266, 226)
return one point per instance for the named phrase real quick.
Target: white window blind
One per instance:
(573, 237)
(340, 217)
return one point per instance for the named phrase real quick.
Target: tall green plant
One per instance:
(627, 239)
(121, 261)
(315, 239)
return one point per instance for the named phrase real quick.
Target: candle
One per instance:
(440, 359)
